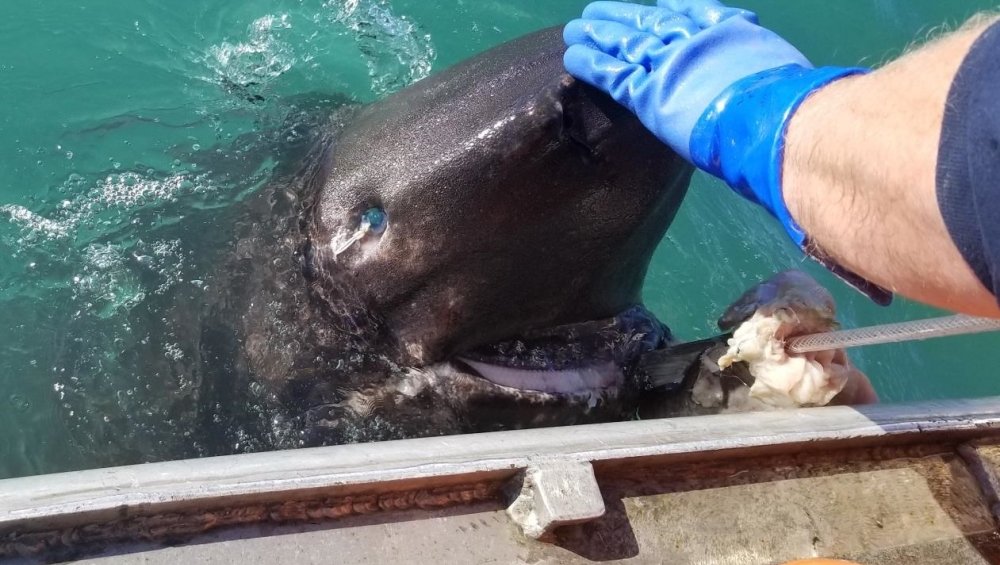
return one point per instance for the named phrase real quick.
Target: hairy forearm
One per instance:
(859, 176)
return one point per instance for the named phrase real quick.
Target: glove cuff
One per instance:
(741, 137)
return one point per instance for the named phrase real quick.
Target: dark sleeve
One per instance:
(968, 170)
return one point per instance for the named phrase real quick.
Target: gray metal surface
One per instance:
(554, 494)
(903, 505)
(552, 470)
(68, 498)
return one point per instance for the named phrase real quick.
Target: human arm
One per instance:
(859, 176)
(723, 92)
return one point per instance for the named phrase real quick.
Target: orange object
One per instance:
(821, 561)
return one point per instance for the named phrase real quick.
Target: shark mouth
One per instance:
(570, 359)
(565, 381)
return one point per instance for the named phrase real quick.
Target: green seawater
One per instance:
(130, 129)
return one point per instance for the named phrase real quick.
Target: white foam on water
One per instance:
(35, 226)
(168, 262)
(173, 351)
(104, 278)
(116, 195)
(261, 57)
(130, 190)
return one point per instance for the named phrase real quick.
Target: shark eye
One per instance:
(373, 220)
(376, 219)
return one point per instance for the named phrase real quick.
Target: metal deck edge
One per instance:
(71, 499)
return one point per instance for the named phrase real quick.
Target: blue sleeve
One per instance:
(968, 169)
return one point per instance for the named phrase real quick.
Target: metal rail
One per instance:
(546, 457)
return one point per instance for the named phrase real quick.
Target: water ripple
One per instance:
(395, 50)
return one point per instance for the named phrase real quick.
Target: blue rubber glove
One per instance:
(705, 79)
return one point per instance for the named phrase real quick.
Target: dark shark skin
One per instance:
(523, 209)
(517, 198)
